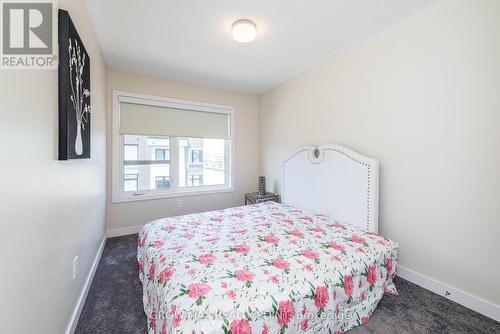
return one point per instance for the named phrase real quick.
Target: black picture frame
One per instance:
(74, 92)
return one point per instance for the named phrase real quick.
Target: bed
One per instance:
(314, 264)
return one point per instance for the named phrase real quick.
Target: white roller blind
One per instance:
(139, 119)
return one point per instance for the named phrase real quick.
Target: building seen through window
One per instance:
(147, 163)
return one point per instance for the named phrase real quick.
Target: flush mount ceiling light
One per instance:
(244, 31)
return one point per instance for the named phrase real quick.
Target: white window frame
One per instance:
(119, 196)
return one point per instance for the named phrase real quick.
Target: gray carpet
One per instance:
(114, 303)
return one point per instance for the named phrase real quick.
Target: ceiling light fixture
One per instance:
(244, 31)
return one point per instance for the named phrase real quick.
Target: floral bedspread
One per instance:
(265, 268)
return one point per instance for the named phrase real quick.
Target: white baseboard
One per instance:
(461, 297)
(83, 295)
(117, 232)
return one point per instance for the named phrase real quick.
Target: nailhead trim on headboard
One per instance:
(318, 161)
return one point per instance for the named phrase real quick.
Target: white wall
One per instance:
(125, 215)
(423, 96)
(50, 210)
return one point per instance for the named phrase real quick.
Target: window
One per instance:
(131, 152)
(169, 148)
(202, 162)
(142, 166)
(162, 154)
(196, 156)
(162, 182)
(130, 182)
(195, 180)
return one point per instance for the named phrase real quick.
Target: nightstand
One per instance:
(254, 198)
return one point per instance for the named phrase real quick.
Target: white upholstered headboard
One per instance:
(335, 181)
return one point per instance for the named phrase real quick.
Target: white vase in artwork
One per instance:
(78, 141)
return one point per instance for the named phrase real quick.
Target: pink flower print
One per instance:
(360, 250)
(206, 259)
(271, 239)
(241, 249)
(348, 285)
(280, 264)
(243, 275)
(153, 319)
(240, 327)
(274, 279)
(157, 243)
(336, 246)
(362, 296)
(336, 258)
(304, 309)
(265, 329)
(388, 265)
(169, 228)
(371, 276)
(334, 295)
(296, 233)
(321, 298)
(197, 290)
(231, 294)
(177, 320)
(188, 235)
(357, 239)
(173, 308)
(164, 327)
(337, 225)
(152, 271)
(310, 254)
(191, 272)
(231, 260)
(308, 267)
(286, 310)
(304, 324)
(165, 274)
(141, 269)
(223, 285)
(265, 271)
(317, 229)
(364, 320)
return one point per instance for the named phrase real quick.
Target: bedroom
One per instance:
(133, 208)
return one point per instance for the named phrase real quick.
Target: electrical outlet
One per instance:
(179, 202)
(75, 267)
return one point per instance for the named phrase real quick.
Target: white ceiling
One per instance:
(190, 40)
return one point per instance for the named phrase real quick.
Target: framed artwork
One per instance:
(74, 92)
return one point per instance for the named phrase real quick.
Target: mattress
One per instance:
(264, 268)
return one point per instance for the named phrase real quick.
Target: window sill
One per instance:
(129, 197)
